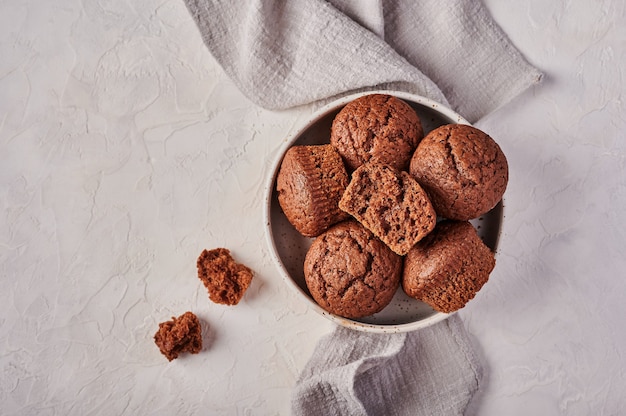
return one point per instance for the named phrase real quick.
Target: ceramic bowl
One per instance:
(288, 247)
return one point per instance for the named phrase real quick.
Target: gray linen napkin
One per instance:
(287, 53)
(433, 371)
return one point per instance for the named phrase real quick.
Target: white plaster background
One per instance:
(124, 151)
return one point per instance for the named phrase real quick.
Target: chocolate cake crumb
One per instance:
(182, 334)
(225, 279)
(391, 204)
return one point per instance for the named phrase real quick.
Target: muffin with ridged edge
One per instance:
(448, 267)
(310, 183)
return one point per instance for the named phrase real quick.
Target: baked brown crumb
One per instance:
(182, 334)
(225, 279)
(391, 204)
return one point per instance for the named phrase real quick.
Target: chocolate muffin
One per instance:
(391, 204)
(182, 334)
(225, 280)
(448, 267)
(376, 127)
(310, 183)
(462, 169)
(350, 272)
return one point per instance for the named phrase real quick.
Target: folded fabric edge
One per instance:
(388, 86)
(331, 381)
(531, 75)
(381, 65)
(530, 79)
(462, 339)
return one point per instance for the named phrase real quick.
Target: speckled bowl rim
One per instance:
(269, 189)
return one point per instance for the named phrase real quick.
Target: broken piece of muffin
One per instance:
(391, 204)
(182, 334)
(225, 279)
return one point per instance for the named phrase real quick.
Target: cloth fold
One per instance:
(283, 54)
(433, 371)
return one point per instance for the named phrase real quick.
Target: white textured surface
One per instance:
(124, 151)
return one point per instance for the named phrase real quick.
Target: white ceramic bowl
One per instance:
(288, 247)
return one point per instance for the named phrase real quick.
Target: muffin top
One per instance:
(376, 127)
(462, 169)
(350, 272)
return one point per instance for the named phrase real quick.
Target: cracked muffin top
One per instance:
(463, 170)
(350, 272)
(377, 128)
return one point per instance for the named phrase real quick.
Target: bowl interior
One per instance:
(289, 247)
